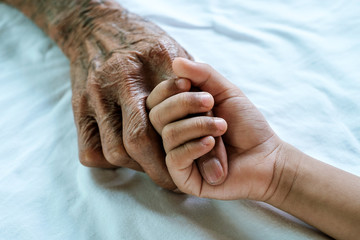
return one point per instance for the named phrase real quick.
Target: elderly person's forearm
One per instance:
(69, 22)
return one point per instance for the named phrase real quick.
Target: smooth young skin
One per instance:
(261, 166)
(199, 103)
(252, 146)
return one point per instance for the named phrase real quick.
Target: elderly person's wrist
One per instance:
(79, 26)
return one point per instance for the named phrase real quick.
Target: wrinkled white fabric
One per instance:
(298, 61)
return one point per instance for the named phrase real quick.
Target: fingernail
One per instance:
(213, 171)
(220, 124)
(180, 83)
(205, 99)
(207, 141)
(115, 155)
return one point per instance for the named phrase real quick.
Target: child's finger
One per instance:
(203, 76)
(182, 167)
(217, 154)
(180, 132)
(178, 107)
(167, 89)
(213, 166)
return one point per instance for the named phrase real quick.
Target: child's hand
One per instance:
(252, 147)
(171, 101)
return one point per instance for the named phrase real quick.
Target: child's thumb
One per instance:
(202, 76)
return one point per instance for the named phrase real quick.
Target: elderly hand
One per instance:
(116, 67)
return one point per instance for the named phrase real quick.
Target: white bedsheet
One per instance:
(298, 61)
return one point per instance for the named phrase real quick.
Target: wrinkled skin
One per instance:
(110, 83)
(116, 59)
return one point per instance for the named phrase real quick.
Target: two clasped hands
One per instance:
(217, 144)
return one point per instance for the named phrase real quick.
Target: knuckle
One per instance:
(88, 158)
(117, 157)
(186, 99)
(121, 64)
(205, 123)
(193, 101)
(171, 160)
(155, 118)
(119, 68)
(85, 161)
(200, 123)
(113, 65)
(187, 149)
(137, 136)
(169, 134)
(166, 88)
(93, 157)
